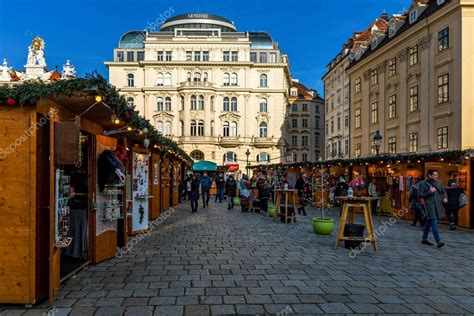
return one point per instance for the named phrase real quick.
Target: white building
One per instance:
(216, 91)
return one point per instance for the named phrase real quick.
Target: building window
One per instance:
(392, 106)
(212, 103)
(294, 107)
(374, 113)
(159, 127)
(305, 123)
(294, 123)
(263, 80)
(189, 55)
(326, 129)
(167, 79)
(235, 56)
(304, 157)
(263, 57)
(413, 55)
(374, 77)
(226, 129)
(226, 104)
(338, 123)
(230, 157)
(316, 108)
(443, 39)
(346, 120)
(205, 56)
(226, 79)
(212, 128)
(188, 77)
(226, 56)
(332, 126)
(197, 77)
(357, 118)
(120, 56)
(233, 129)
(316, 141)
(295, 157)
(205, 77)
(263, 130)
(294, 141)
(392, 67)
(253, 57)
(305, 107)
(273, 57)
(130, 56)
(193, 102)
(304, 141)
(181, 128)
(443, 137)
(181, 104)
(168, 56)
(130, 80)
(413, 16)
(316, 124)
(197, 56)
(200, 128)
(168, 104)
(167, 129)
(159, 79)
(263, 105)
(392, 145)
(414, 99)
(443, 88)
(197, 155)
(233, 79)
(263, 158)
(201, 102)
(159, 56)
(373, 147)
(346, 146)
(357, 150)
(159, 104)
(233, 104)
(413, 142)
(140, 56)
(130, 102)
(357, 85)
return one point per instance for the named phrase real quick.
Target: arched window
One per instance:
(130, 102)
(201, 102)
(167, 79)
(168, 104)
(130, 80)
(159, 127)
(200, 128)
(233, 104)
(233, 129)
(197, 155)
(263, 129)
(159, 104)
(263, 105)
(197, 77)
(263, 158)
(193, 102)
(263, 80)
(181, 104)
(230, 157)
(205, 77)
(212, 103)
(226, 79)
(193, 128)
(159, 79)
(181, 128)
(212, 128)
(233, 79)
(167, 128)
(226, 104)
(188, 77)
(226, 129)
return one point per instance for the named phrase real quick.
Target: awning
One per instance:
(232, 167)
(204, 166)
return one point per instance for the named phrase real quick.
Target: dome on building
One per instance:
(198, 21)
(132, 39)
(260, 40)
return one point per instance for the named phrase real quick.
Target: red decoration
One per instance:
(121, 154)
(11, 101)
(126, 117)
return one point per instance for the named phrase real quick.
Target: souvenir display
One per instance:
(140, 191)
(112, 204)
(63, 193)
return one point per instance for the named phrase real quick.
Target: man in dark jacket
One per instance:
(194, 192)
(206, 184)
(302, 187)
(433, 195)
(220, 185)
(231, 190)
(452, 206)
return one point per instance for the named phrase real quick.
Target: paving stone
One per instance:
(168, 311)
(258, 299)
(135, 301)
(388, 299)
(139, 310)
(394, 308)
(109, 311)
(285, 298)
(172, 292)
(310, 309)
(82, 311)
(237, 291)
(234, 299)
(421, 308)
(364, 308)
(196, 310)
(211, 300)
(278, 308)
(249, 309)
(311, 298)
(168, 300)
(109, 301)
(335, 308)
(222, 310)
(187, 300)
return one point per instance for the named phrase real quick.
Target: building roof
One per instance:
(304, 93)
(198, 21)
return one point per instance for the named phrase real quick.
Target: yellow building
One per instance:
(412, 79)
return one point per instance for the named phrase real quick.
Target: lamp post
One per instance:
(378, 141)
(247, 153)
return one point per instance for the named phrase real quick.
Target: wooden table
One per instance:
(289, 193)
(349, 206)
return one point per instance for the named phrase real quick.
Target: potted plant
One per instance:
(323, 225)
(271, 210)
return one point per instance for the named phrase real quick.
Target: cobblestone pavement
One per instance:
(227, 262)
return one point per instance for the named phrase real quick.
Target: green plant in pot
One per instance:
(271, 210)
(323, 225)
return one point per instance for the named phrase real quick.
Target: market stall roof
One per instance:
(204, 165)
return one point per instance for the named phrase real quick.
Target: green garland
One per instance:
(28, 93)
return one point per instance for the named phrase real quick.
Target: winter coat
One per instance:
(244, 188)
(432, 200)
(453, 198)
(206, 183)
(220, 182)
(195, 183)
(263, 189)
(413, 198)
(231, 187)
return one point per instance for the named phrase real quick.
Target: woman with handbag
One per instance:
(454, 203)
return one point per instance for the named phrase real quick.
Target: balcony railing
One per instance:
(263, 142)
(229, 141)
(197, 84)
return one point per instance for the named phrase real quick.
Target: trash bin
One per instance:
(353, 230)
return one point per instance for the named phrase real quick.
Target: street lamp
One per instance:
(247, 153)
(377, 141)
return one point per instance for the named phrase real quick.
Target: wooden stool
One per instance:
(289, 193)
(349, 206)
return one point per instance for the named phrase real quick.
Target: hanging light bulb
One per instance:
(98, 98)
(145, 130)
(129, 128)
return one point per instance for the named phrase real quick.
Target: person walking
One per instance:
(231, 191)
(244, 193)
(302, 187)
(433, 194)
(415, 204)
(194, 192)
(187, 182)
(372, 191)
(263, 188)
(206, 184)
(452, 206)
(220, 185)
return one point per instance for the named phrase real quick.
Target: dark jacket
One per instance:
(413, 198)
(433, 200)
(453, 198)
(195, 183)
(231, 187)
(263, 189)
(206, 183)
(220, 182)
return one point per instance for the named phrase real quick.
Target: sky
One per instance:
(310, 32)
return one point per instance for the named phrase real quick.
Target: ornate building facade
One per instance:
(218, 92)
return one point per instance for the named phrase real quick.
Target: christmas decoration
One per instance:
(11, 101)
(141, 210)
